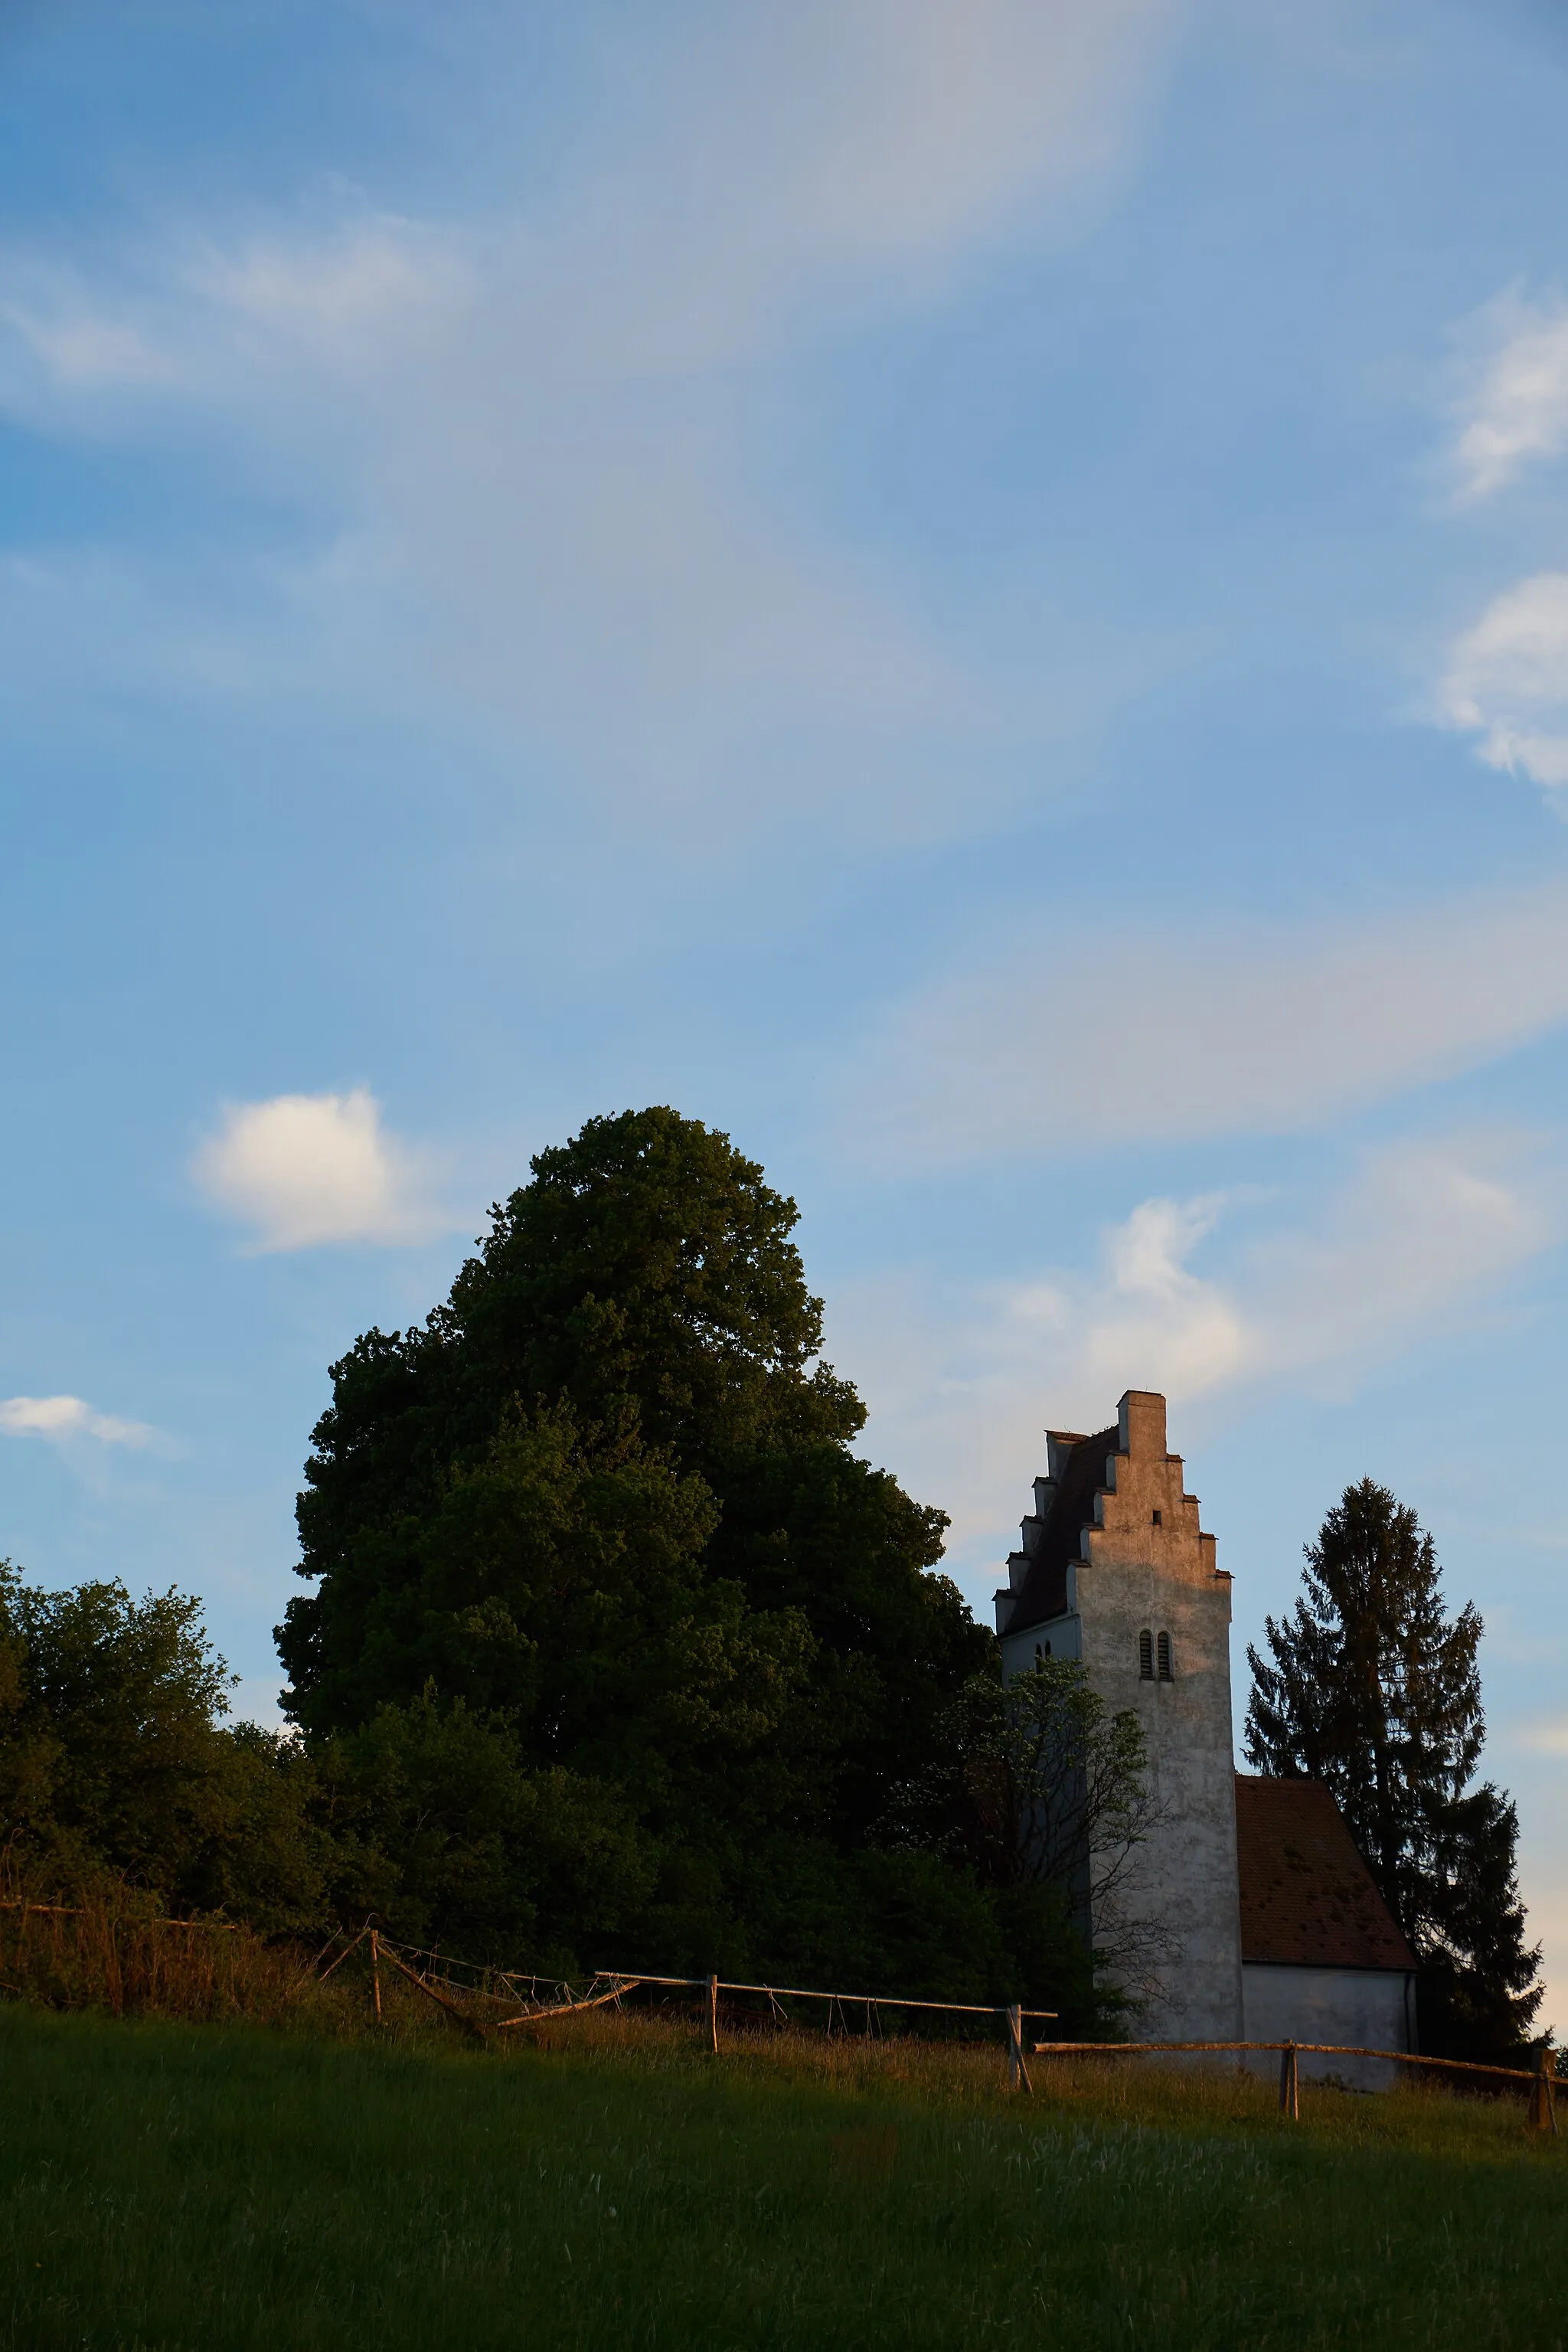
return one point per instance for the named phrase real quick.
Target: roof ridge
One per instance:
(1043, 1593)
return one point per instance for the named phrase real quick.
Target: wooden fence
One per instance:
(471, 1996)
(1542, 2079)
(433, 1975)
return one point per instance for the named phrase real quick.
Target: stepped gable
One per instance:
(1307, 1899)
(1059, 1537)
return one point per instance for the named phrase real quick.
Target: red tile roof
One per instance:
(1307, 1896)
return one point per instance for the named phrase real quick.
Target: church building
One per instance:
(1270, 1925)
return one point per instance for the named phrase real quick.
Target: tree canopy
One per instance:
(1372, 1688)
(618, 1652)
(644, 1274)
(605, 1496)
(625, 1377)
(114, 1756)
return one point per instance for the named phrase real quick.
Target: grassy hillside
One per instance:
(166, 2186)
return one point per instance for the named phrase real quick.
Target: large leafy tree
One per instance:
(109, 1707)
(646, 1269)
(116, 1764)
(603, 1510)
(441, 1828)
(1372, 1687)
(562, 1581)
(114, 1758)
(642, 1298)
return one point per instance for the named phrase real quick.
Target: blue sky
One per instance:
(975, 593)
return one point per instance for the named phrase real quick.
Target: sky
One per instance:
(972, 591)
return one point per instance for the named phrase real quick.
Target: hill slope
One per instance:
(173, 2186)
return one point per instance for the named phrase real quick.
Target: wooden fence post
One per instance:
(1543, 2101)
(713, 2013)
(1289, 2084)
(1017, 2072)
(375, 1971)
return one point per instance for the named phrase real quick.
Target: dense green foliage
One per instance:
(113, 1758)
(640, 1307)
(616, 1654)
(604, 1502)
(1374, 1689)
(191, 2189)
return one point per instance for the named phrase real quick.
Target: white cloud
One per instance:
(1508, 679)
(309, 1169)
(1517, 407)
(530, 412)
(961, 1382)
(65, 1417)
(792, 149)
(1152, 1307)
(1548, 1737)
(372, 288)
(261, 326)
(1424, 1225)
(1138, 1036)
(79, 349)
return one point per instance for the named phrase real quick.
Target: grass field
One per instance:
(170, 2185)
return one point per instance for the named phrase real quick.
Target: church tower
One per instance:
(1114, 1570)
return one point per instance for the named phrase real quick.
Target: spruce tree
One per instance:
(1375, 1691)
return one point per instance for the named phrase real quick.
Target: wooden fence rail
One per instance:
(1541, 2078)
(608, 1987)
(88, 1911)
(432, 1974)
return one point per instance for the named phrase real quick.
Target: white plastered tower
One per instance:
(1115, 1570)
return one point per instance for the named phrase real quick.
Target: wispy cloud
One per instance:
(962, 1381)
(305, 1169)
(62, 1418)
(73, 347)
(529, 413)
(1546, 1737)
(1232, 1029)
(1516, 407)
(1507, 680)
(371, 287)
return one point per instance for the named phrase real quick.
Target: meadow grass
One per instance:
(612, 2185)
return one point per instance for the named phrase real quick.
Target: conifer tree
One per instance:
(1374, 1690)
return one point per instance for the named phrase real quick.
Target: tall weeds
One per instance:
(112, 1950)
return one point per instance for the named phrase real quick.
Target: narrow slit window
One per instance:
(1146, 1658)
(1158, 1520)
(1164, 1648)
